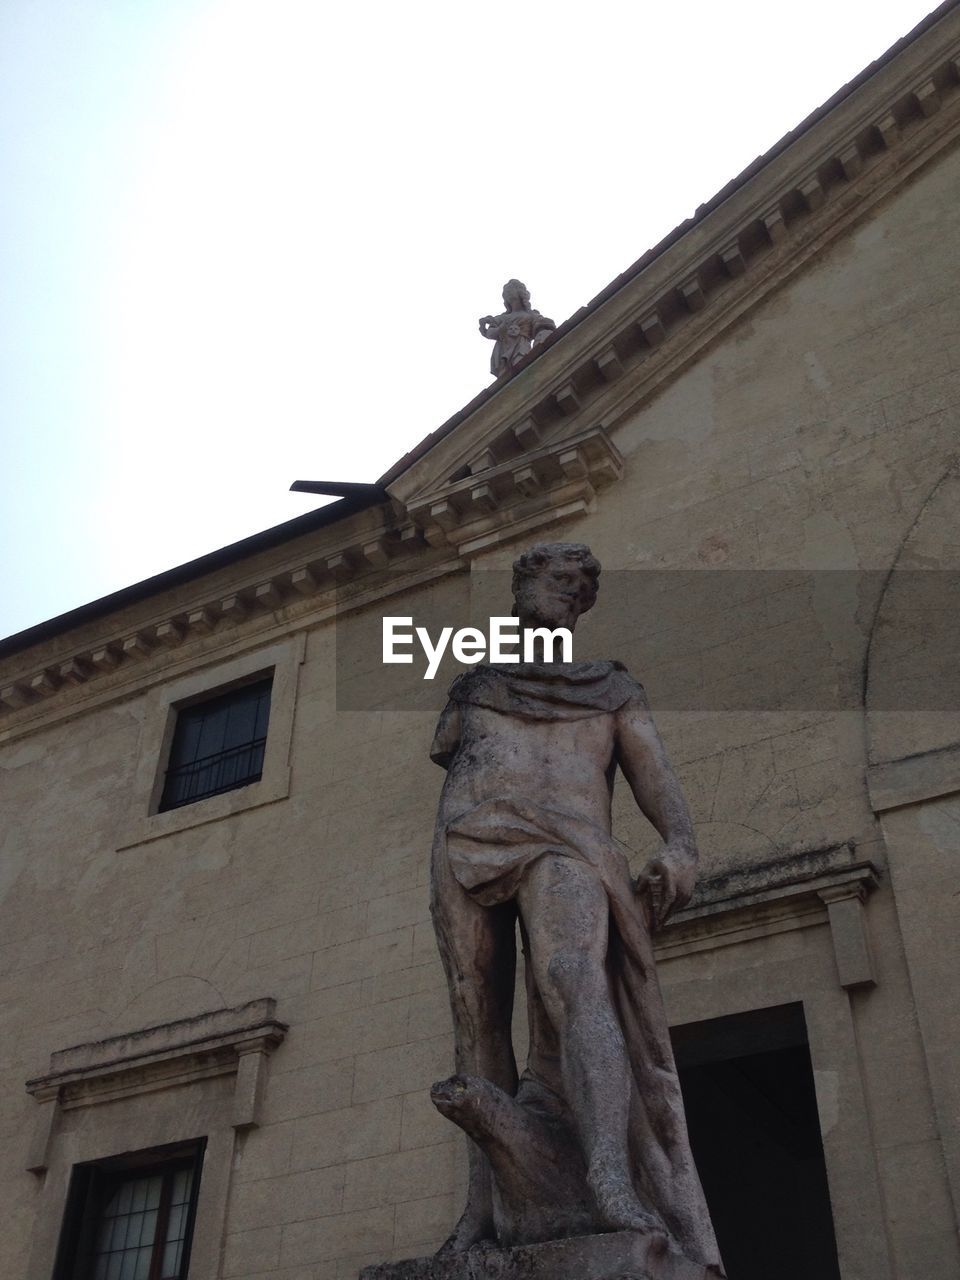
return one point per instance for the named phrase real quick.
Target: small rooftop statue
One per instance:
(515, 332)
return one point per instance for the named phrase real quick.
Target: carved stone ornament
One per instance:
(516, 331)
(222, 1042)
(589, 1142)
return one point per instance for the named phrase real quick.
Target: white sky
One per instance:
(243, 243)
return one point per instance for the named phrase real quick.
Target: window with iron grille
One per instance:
(131, 1217)
(218, 745)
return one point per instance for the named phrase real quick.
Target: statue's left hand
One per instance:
(669, 880)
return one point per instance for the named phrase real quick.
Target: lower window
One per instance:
(752, 1114)
(131, 1217)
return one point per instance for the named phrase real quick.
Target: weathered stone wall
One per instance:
(810, 438)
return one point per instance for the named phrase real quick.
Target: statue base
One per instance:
(617, 1255)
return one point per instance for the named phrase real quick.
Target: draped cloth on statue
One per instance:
(555, 691)
(489, 848)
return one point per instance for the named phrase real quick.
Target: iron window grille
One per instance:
(218, 745)
(131, 1217)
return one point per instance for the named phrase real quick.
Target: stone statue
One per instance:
(591, 1138)
(516, 331)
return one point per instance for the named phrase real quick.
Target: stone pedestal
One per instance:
(619, 1255)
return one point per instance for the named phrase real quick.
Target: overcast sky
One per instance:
(247, 242)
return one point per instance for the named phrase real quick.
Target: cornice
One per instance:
(621, 355)
(210, 630)
(210, 1045)
(364, 560)
(827, 886)
(893, 784)
(222, 1042)
(496, 501)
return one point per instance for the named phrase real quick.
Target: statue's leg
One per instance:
(565, 912)
(478, 948)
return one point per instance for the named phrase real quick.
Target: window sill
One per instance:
(155, 826)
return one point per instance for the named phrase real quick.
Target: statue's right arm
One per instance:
(646, 767)
(489, 327)
(447, 737)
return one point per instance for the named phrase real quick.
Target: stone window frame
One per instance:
(158, 1061)
(142, 821)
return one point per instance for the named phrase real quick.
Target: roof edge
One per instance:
(278, 534)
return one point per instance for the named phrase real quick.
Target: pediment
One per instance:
(602, 365)
(536, 483)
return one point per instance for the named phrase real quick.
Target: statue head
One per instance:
(516, 291)
(554, 583)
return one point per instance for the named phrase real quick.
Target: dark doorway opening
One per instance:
(752, 1113)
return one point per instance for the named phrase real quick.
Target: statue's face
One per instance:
(556, 596)
(512, 296)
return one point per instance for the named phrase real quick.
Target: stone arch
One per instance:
(912, 669)
(184, 996)
(912, 700)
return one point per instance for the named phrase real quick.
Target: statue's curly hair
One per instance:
(521, 289)
(538, 557)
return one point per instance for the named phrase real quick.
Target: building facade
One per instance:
(221, 1001)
